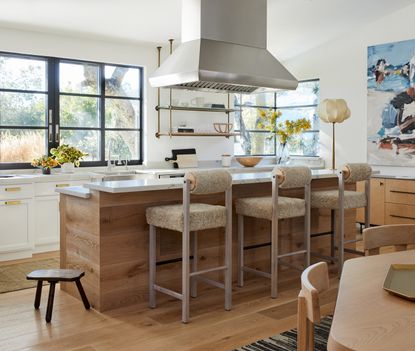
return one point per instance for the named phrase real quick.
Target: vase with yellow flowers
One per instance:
(46, 163)
(284, 131)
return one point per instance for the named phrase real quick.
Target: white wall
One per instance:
(341, 66)
(144, 55)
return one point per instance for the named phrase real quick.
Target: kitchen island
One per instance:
(104, 232)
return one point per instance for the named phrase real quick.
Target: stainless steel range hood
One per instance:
(223, 50)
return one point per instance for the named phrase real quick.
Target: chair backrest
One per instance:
(398, 235)
(209, 181)
(292, 177)
(314, 280)
(356, 172)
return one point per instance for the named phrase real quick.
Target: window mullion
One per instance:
(102, 110)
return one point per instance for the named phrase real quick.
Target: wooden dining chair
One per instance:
(314, 280)
(398, 235)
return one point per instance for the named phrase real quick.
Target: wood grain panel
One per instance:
(377, 201)
(400, 214)
(400, 191)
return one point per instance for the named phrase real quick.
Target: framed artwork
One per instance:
(391, 104)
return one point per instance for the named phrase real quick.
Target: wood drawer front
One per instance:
(399, 214)
(400, 191)
(49, 188)
(16, 191)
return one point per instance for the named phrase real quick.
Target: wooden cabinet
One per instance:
(392, 201)
(377, 202)
(400, 201)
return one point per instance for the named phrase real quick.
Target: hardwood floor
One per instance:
(254, 316)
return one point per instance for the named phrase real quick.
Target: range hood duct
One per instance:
(224, 50)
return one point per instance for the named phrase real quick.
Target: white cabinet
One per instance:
(16, 233)
(47, 230)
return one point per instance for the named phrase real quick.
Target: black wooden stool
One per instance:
(54, 276)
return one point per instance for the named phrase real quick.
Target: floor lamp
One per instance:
(333, 111)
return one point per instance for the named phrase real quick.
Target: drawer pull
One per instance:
(12, 203)
(13, 189)
(402, 192)
(62, 185)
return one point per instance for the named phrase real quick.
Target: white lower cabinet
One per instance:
(16, 239)
(46, 223)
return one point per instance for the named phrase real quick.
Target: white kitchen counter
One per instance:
(125, 186)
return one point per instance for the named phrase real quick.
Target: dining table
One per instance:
(366, 316)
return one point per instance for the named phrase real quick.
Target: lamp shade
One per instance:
(333, 110)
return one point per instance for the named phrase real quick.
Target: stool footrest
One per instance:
(354, 251)
(168, 292)
(210, 282)
(209, 270)
(324, 257)
(300, 252)
(256, 271)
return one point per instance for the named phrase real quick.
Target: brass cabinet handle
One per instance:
(61, 185)
(13, 189)
(12, 202)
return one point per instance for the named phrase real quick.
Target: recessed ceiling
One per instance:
(294, 26)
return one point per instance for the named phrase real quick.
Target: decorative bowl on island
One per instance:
(249, 161)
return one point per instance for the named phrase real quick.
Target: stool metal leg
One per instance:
(152, 266)
(82, 293)
(38, 293)
(228, 251)
(274, 239)
(185, 253)
(307, 229)
(341, 223)
(367, 208)
(333, 234)
(193, 287)
(50, 302)
(240, 250)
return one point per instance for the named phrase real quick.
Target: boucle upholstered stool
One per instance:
(275, 208)
(339, 200)
(190, 218)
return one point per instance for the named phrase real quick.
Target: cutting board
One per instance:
(187, 161)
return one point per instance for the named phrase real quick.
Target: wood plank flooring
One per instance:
(254, 316)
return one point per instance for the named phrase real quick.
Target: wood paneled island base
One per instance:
(106, 235)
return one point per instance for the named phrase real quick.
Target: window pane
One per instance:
(307, 93)
(122, 81)
(22, 73)
(262, 99)
(122, 113)
(250, 118)
(124, 144)
(305, 144)
(86, 140)
(22, 145)
(255, 143)
(296, 113)
(22, 109)
(79, 78)
(79, 111)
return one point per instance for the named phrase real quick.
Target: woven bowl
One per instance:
(249, 161)
(223, 128)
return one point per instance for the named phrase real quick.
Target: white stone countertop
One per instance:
(125, 186)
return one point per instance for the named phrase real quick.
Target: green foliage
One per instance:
(68, 154)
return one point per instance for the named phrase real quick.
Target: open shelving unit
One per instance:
(170, 109)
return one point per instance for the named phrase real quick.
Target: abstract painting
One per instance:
(391, 104)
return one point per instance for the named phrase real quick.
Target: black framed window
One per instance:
(293, 104)
(48, 101)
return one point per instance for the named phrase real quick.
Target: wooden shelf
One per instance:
(204, 134)
(195, 109)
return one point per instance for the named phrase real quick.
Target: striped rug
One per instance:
(287, 341)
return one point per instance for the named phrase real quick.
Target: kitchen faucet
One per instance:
(109, 164)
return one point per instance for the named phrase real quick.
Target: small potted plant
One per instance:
(284, 131)
(68, 157)
(45, 162)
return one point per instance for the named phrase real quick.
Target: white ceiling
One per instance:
(294, 26)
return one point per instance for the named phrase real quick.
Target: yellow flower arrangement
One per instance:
(45, 162)
(282, 130)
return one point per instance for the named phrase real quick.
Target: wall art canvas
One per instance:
(391, 104)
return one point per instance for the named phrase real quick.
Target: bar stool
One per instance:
(275, 208)
(190, 218)
(339, 200)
